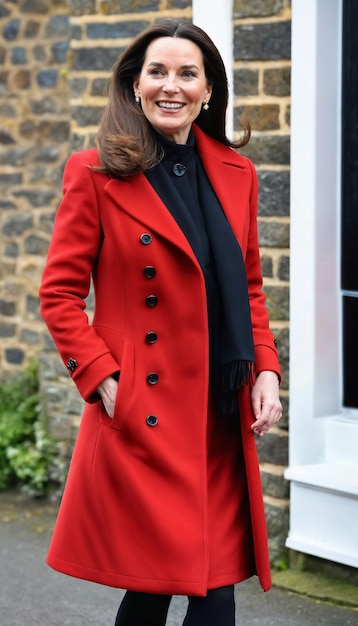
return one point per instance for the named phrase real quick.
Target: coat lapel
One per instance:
(138, 198)
(228, 178)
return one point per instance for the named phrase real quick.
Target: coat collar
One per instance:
(227, 172)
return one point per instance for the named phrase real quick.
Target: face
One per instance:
(172, 86)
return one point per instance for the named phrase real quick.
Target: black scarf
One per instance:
(181, 182)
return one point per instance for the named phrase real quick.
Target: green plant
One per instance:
(29, 456)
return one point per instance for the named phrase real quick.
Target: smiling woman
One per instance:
(179, 368)
(172, 86)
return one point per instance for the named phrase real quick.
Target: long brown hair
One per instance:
(125, 140)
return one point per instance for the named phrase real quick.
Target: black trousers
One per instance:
(217, 608)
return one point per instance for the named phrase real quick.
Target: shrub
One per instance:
(29, 456)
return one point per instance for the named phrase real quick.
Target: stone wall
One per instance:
(262, 53)
(56, 58)
(34, 138)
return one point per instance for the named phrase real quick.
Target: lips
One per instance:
(170, 106)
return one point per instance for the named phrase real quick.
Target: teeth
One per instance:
(170, 105)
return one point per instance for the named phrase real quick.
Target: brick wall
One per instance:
(34, 139)
(262, 52)
(56, 58)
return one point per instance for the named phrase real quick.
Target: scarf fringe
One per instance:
(226, 383)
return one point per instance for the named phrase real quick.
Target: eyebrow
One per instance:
(183, 67)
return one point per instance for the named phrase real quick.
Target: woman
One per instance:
(178, 369)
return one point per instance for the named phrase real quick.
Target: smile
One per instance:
(170, 105)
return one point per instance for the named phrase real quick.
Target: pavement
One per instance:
(32, 594)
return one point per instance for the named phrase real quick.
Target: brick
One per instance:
(58, 26)
(47, 154)
(11, 249)
(55, 131)
(39, 53)
(277, 518)
(6, 138)
(246, 82)
(35, 197)
(256, 8)
(32, 29)
(44, 105)
(82, 7)
(87, 115)
(3, 51)
(59, 51)
(36, 245)
(7, 111)
(288, 115)
(22, 79)
(260, 117)
(35, 6)
(4, 12)
(98, 59)
(47, 78)
(11, 179)
(33, 306)
(18, 55)
(262, 41)
(14, 356)
(274, 485)
(7, 330)
(277, 81)
(15, 225)
(11, 30)
(99, 87)
(273, 448)
(266, 266)
(284, 268)
(277, 302)
(129, 6)
(274, 193)
(119, 30)
(7, 308)
(78, 86)
(29, 336)
(274, 234)
(14, 156)
(273, 149)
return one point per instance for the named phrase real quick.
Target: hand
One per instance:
(107, 389)
(265, 402)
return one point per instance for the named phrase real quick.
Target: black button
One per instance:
(149, 271)
(275, 342)
(151, 337)
(151, 301)
(179, 169)
(152, 420)
(152, 378)
(146, 239)
(71, 364)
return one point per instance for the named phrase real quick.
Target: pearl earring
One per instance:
(206, 106)
(137, 99)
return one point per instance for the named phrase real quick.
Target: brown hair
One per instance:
(125, 140)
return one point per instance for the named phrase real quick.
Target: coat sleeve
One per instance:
(66, 281)
(266, 355)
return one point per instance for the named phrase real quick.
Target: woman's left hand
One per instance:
(265, 402)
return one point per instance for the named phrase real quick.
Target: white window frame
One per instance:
(323, 441)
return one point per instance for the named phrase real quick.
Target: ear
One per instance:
(209, 91)
(136, 87)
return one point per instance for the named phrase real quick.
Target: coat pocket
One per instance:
(124, 398)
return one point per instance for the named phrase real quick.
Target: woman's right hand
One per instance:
(107, 389)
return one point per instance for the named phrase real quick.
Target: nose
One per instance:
(170, 85)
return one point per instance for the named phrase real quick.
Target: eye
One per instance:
(188, 74)
(156, 72)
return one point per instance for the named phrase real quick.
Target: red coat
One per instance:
(136, 511)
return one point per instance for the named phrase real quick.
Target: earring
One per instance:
(137, 99)
(206, 106)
